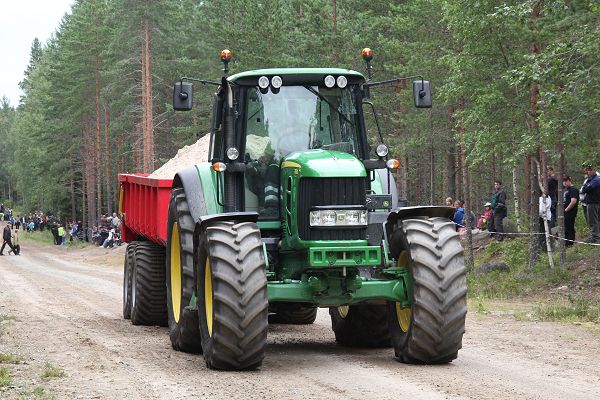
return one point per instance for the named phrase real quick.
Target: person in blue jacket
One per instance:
(591, 190)
(459, 214)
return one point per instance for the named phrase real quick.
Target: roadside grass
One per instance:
(567, 295)
(39, 393)
(11, 358)
(50, 371)
(5, 378)
(47, 238)
(6, 320)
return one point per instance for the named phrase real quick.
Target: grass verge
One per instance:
(567, 295)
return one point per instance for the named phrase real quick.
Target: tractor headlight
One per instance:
(338, 218)
(329, 81)
(232, 153)
(263, 82)
(382, 150)
(342, 81)
(276, 82)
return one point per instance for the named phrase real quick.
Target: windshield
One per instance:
(299, 118)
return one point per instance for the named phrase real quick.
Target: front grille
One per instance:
(314, 192)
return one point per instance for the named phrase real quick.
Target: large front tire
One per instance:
(232, 301)
(430, 330)
(184, 329)
(148, 289)
(361, 325)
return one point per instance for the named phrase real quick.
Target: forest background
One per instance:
(516, 87)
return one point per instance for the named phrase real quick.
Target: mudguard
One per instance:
(189, 179)
(410, 212)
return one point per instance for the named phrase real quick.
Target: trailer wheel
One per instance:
(361, 325)
(183, 320)
(292, 313)
(430, 330)
(232, 300)
(148, 290)
(127, 274)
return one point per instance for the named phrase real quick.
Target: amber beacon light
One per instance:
(367, 54)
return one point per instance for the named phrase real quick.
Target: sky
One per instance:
(20, 22)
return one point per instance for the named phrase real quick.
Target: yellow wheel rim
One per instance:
(175, 273)
(403, 314)
(208, 297)
(343, 311)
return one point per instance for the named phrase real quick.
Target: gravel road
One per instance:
(67, 309)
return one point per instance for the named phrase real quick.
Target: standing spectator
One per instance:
(553, 193)
(449, 202)
(115, 222)
(570, 200)
(591, 189)
(499, 208)
(585, 165)
(18, 222)
(544, 207)
(54, 231)
(62, 235)
(459, 214)
(15, 243)
(6, 236)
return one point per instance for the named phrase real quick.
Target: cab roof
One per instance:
(295, 76)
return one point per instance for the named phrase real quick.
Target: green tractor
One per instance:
(290, 214)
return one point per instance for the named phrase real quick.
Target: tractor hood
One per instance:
(325, 164)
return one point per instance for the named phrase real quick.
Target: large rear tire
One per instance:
(183, 319)
(292, 313)
(361, 325)
(232, 301)
(148, 288)
(127, 275)
(430, 330)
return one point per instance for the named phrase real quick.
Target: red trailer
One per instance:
(144, 205)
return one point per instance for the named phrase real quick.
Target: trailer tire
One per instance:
(148, 288)
(183, 322)
(361, 325)
(430, 330)
(127, 274)
(232, 301)
(292, 313)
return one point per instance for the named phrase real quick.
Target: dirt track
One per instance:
(67, 305)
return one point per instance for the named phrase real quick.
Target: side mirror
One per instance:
(422, 94)
(182, 96)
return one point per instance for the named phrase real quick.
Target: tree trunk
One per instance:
(148, 125)
(98, 147)
(516, 198)
(450, 156)
(560, 214)
(107, 160)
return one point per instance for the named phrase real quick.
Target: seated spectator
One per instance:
(108, 242)
(459, 215)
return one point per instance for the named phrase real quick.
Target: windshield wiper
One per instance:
(320, 96)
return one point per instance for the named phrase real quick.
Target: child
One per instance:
(482, 222)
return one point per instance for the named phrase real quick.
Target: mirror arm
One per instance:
(202, 81)
(395, 80)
